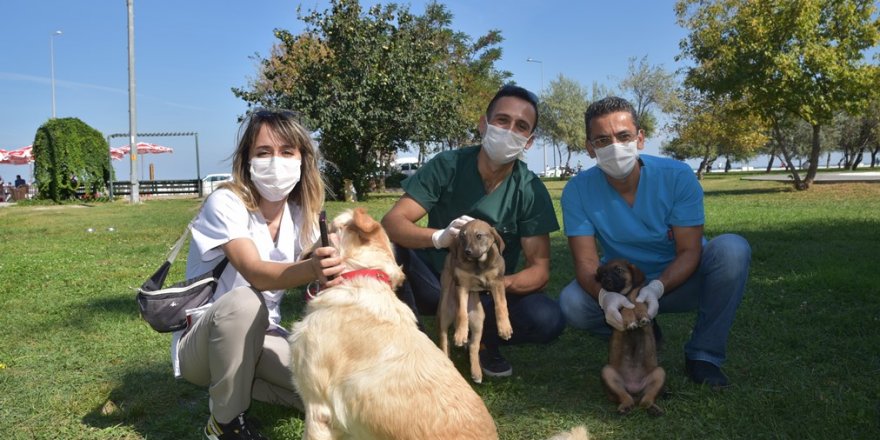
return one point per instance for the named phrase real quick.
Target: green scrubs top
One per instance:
(449, 186)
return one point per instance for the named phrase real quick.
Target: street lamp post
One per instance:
(544, 144)
(52, 61)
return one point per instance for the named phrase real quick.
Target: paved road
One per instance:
(823, 177)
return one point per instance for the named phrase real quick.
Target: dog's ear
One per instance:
(638, 276)
(363, 222)
(498, 240)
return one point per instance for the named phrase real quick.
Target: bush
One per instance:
(68, 155)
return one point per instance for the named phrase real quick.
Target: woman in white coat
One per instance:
(261, 221)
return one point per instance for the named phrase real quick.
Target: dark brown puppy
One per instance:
(632, 369)
(474, 265)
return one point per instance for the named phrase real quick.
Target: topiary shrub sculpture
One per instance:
(69, 155)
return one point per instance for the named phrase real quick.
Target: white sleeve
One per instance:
(223, 218)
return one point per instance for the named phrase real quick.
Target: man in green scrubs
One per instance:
(486, 182)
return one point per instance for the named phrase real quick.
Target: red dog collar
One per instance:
(370, 273)
(313, 288)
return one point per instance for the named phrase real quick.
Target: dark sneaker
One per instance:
(494, 365)
(238, 429)
(707, 373)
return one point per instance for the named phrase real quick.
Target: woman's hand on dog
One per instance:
(326, 265)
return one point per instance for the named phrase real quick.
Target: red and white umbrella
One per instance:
(142, 148)
(24, 155)
(20, 156)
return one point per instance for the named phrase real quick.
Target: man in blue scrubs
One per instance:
(649, 210)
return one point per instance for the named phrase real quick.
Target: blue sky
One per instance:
(189, 54)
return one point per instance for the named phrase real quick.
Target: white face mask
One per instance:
(618, 160)
(275, 177)
(503, 146)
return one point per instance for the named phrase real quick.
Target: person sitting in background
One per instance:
(19, 182)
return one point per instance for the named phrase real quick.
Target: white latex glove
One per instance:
(442, 238)
(611, 303)
(650, 295)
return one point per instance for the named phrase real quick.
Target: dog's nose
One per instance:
(468, 252)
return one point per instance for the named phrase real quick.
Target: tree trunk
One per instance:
(780, 142)
(772, 158)
(700, 168)
(858, 158)
(814, 156)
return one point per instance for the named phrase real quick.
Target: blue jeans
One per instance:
(715, 290)
(535, 317)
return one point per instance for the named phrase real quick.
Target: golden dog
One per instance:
(474, 264)
(361, 365)
(632, 369)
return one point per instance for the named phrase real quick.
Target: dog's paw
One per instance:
(632, 325)
(655, 410)
(644, 320)
(505, 332)
(624, 408)
(460, 337)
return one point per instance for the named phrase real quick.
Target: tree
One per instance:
(705, 129)
(799, 57)
(562, 117)
(650, 86)
(857, 134)
(372, 83)
(68, 155)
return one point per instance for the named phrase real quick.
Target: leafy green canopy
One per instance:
(798, 57)
(375, 82)
(68, 155)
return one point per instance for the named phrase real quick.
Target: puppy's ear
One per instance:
(600, 273)
(498, 240)
(638, 276)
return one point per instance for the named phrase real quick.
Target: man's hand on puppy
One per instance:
(442, 238)
(650, 295)
(326, 264)
(611, 303)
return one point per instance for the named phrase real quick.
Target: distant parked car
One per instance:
(407, 165)
(557, 172)
(212, 181)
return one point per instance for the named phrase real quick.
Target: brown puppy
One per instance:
(360, 363)
(474, 265)
(632, 369)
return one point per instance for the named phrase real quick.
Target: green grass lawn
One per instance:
(76, 361)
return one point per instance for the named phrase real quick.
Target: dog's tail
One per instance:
(578, 433)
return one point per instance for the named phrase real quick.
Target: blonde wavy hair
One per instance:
(308, 193)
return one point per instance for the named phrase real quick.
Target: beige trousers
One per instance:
(229, 350)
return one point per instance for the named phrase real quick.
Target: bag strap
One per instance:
(179, 244)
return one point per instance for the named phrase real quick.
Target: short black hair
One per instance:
(516, 92)
(605, 106)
